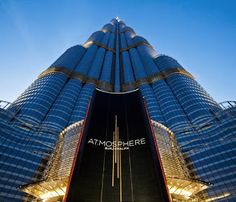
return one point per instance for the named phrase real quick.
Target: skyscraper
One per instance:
(112, 120)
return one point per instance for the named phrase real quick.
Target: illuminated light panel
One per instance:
(180, 184)
(58, 192)
(56, 175)
(47, 189)
(218, 197)
(184, 187)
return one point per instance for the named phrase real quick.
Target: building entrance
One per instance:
(116, 162)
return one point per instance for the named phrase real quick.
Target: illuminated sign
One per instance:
(117, 145)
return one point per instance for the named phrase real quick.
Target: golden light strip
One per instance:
(113, 162)
(117, 152)
(108, 86)
(121, 198)
(116, 160)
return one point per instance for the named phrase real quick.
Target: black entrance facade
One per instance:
(115, 161)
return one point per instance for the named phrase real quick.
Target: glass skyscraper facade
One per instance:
(111, 105)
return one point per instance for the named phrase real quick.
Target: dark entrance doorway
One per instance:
(117, 163)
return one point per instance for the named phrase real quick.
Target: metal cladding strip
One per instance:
(70, 58)
(87, 44)
(87, 60)
(138, 67)
(96, 36)
(105, 85)
(135, 45)
(77, 152)
(157, 151)
(117, 62)
(146, 54)
(105, 76)
(108, 27)
(95, 69)
(106, 70)
(50, 70)
(165, 62)
(123, 43)
(91, 54)
(127, 69)
(127, 86)
(128, 75)
(127, 29)
(151, 79)
(97, 64)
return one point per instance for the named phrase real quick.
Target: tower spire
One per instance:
(118, 19)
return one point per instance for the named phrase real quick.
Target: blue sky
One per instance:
(200, 34)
